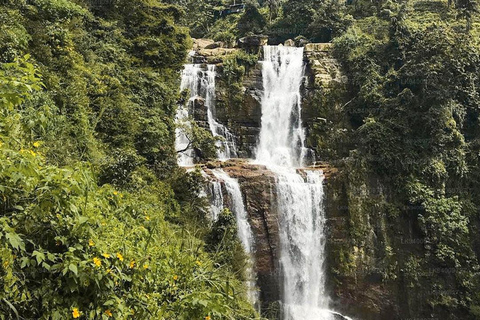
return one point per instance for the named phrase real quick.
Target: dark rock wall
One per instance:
(244, 118)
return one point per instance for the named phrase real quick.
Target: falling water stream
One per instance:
(299, 193)
(201, 84)
(244, 230)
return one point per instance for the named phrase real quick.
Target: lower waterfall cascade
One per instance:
(237, 206)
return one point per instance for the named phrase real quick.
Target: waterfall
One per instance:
(301, 213)
(281, 136)
(190, 81)
(227, 147)
(237, 206)
(215, 196)
(201, 84)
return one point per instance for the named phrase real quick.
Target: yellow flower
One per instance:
(75, 313)
(97, 262)
(108, 312)
(208, 318)
(91, 243)
(132, 264)
(115, 192)
(119, 256)
(106, 255)
(198, 263)
(32, 153)
(36, 144)
(175, 277)
(145, 266)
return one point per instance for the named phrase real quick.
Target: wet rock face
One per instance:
(258, 189)
(199, 110)
(245, 119)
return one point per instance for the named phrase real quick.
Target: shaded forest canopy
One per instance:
(97, 220)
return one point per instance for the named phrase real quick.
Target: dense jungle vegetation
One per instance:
(96, 219)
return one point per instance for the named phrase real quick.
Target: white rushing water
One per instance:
(190, 80)
(201, 84)
(237, 206)
(227, 146)
(282, 135)
(300, 197)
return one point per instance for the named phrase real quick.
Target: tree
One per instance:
(466, 10)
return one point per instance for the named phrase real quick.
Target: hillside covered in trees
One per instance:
(98, 221)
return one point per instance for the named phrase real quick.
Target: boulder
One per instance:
(215, 45)
(289, 43)
(199, 44)
(301, 42)
(253, 43)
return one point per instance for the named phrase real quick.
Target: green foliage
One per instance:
(200, 140)
(223, 242)
(411, 100)
(251, 21)
(90, 225)
(232, 76)
(317, 20)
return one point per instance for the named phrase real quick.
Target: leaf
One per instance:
(73, 268)
(15, 241)
(40, 256)
(82, 220)
(110, 302)
(25, 262)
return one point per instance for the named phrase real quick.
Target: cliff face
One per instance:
(245, 116)
(364, 234)
(258, 188)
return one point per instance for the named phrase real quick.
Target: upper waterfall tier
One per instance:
(201, 84)
(282, 135)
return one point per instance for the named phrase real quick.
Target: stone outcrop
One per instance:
(209, 51)
(198, 110)
(244, 118)
(253, 43)
(289, 43)
(322, 69)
